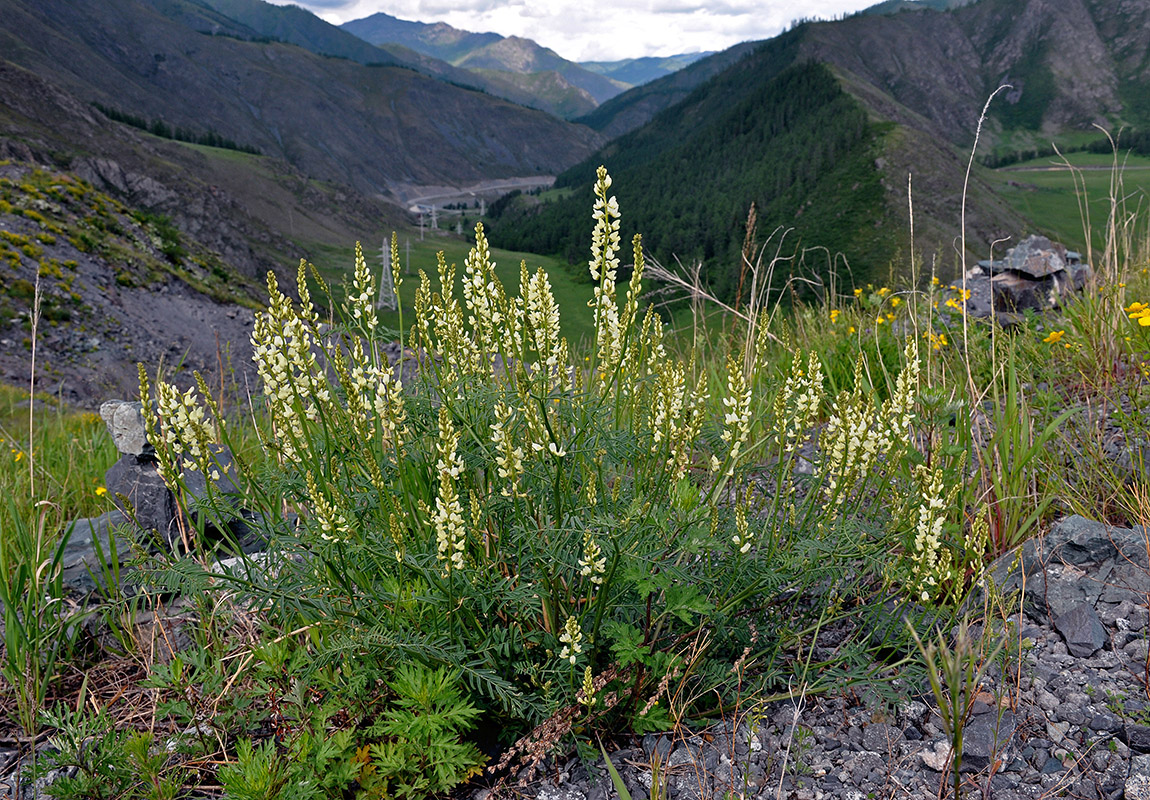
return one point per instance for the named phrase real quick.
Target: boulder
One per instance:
(149, 501)
(1035, 275)
(1078, 562)
(1082, 630)
(1035, 257)
(987, 738)
(125, 421)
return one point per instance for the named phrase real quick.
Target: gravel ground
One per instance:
(1055, 724)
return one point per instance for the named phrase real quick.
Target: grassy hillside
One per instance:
(1060, 198)
(795, 145)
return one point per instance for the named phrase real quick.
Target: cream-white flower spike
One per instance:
(928, 532)
(361, 304)
(332, 522)
(542, 314)
(737, 417)
(480, 294)
(592, 564)
(508, 456)
(571, 638)
(450, 533)
(604, 266)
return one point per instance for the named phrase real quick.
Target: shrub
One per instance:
(583, 541)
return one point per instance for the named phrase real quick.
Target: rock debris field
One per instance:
(1071, 718)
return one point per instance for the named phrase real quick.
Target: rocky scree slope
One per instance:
(118, 285)
(1062, 712)
(256, 213)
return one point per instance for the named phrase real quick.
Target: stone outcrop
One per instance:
(1036, 274)
(1079, 574)
(146, 511)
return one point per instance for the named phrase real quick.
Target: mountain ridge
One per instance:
(373, 128)
(512, 59)
(1066, 66)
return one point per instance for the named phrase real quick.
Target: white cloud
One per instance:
(602, 30)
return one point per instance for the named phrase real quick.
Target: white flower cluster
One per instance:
(797, 404)
(592, 564)
(183, 431)
(737, 417)
(542, 314)
(604, 266)
(929, 566)
(389, 409)
(440, 324)
(572, 639)
(361, 304)
(483, 294)
(281, 345)
(858, 434)
(743, 537)
(667, 403)
(332, 522)
(508, 456)
(450, 534)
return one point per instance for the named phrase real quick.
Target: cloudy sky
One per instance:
(606, 30)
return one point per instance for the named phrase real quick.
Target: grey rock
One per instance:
(80, 566)
(881, 738)
(1035, 257)
(1082, 630)
(1137, 787)
(1078, 561)
(985, 739)
(1126, 582)
(661, 745)
(1137, 738)
(150, 502)
(125, 421)
(1035, 275)
(1105, 722)
(1013, 292)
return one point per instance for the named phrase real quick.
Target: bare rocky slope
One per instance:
(332, 118)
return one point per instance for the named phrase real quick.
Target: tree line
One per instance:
(157, 127)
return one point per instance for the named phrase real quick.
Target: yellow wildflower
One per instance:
(937, 340)
(101, 491)
(1140, 312)
(835, 314)
(1054, 337)
(895, 302)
